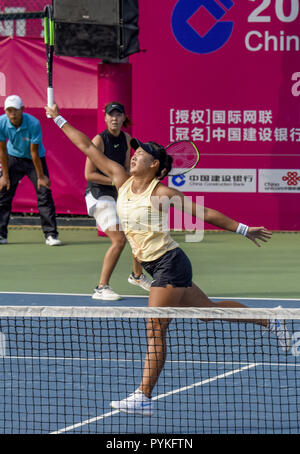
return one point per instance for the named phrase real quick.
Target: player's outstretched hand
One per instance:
(52, 112)
(256, 234)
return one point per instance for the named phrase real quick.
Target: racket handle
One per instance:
(50, 98)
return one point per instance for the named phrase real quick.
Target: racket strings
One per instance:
(185, 156)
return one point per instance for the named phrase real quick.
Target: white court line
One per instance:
(160, 396)
(253, 299)
(168, 361)
(66, 294)
(88, 421)
(145, 296)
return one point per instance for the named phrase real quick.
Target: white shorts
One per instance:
(104, 210)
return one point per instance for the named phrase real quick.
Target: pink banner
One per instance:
(65, 163)
(22, 71)
(225, 74)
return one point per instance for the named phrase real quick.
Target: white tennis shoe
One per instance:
(52, 241)
(136, 403)
(141, 281)
(105, 293)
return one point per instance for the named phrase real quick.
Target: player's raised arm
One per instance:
(112, 169)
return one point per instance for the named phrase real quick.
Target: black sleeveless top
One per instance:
(115, 148)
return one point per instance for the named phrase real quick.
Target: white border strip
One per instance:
(204, 313)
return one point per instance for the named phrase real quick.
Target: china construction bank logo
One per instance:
(291, 178)
(199, 25)
(178, 180)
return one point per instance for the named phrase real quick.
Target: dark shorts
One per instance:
(174, 268)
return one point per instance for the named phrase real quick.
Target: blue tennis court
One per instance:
(59, 374)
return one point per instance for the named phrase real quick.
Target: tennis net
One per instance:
(60, 367)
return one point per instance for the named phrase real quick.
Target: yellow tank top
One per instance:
(145, 227)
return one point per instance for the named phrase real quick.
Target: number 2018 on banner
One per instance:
(285, 10)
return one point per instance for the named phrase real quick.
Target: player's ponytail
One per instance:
(165, 167)
(127, 122)
(165, 161)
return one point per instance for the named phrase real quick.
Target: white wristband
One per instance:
(242, 229)
(60, 121)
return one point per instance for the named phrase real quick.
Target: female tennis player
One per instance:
(139, 197)
(101, 196)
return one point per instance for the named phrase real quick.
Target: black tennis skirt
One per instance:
(174, 268)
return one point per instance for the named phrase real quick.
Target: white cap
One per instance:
(13, 101)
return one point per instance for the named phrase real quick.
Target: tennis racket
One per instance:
(49, 45)
(185, 156)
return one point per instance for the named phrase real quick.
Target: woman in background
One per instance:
(101, 195)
